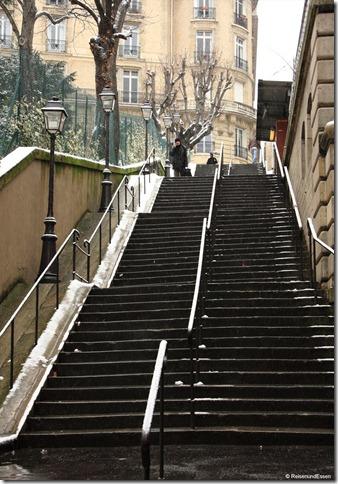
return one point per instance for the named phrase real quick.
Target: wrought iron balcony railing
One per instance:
(56, 45)
(241, 63)
(241, 20)
(56, 3)
(203, 56)
(126, 50)
(135, 7)
(204, 12)
(241, 152)
(6, 42)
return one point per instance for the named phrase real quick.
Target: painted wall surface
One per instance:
(312, 175)
(23, 207)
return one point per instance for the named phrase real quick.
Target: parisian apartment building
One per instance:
(162, 32)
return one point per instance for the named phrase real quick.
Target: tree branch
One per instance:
(87, 8)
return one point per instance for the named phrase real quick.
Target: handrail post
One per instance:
(74, 254)
(161, 437)
(37, 304)
(118, 208)
(310, 250)
(11, 373)
(57, 265)
(133, 199)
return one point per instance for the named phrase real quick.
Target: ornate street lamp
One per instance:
(176, 117)
(147, 114)
(54, 116)
(108, 103)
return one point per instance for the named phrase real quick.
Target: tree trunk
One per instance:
(26, 49)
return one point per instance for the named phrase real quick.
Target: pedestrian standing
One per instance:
(212, 160)
(178, 157)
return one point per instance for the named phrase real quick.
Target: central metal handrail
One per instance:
(279, 161)
(156, 383)
(221, 161)
(313, 240)
(212, 199)
(11, 322)
(192, 318)
(293, 199)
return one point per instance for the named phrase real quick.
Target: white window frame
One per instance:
(130, 95)
(240, 7)
(130, 47)
(6, 31)
(206, 36)
(205, 145)
(56, 37)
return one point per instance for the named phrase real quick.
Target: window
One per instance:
(240, 16)
(130, 86)
(135, 6)
(239, 92)
(204, 9)
(205, 145)
(240, 54)
(5, 32)
(56, 37)
(130, 47)
(203, 45)
(240, 143)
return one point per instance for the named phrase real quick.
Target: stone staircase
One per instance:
(266, 370)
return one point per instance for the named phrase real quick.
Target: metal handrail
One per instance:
(230, 166)
(293, 198)
(212, 199)
(11, 322)
(313, 239)
(157, 381)
(192, 318)
(222, 160)
(279, 161)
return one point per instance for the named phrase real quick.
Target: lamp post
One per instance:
(167, 120)
(176, 119)
(108, 102)
(54, 116)
(146, 113)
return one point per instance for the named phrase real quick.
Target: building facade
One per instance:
(163, 31)
(309, 148)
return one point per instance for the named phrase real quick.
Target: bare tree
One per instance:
(22, 14)
(209, 84)
(109, 16)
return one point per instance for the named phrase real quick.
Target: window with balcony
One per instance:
(204, 9)
(5, 32)
(240, 17)
(130, 86)
(203, 45)
(240, 149)
(56, 37)
(135, 6)
(130, 47)
(240, 54)
(205, 145)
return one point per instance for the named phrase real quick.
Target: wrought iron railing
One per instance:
(313, 240)
(56, 45)
(34, 291)
(205, 12)
(241, 20)
(127, 50)
(240, 151)
(241, 63)
(203, 56)
(157, 384)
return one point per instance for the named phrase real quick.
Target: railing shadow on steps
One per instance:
(9, 335)
(157, 384)
(299, 236)
(199, 297)
(313, 240)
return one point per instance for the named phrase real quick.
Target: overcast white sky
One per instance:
(278, 30)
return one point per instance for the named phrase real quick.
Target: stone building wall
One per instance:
(311, 108)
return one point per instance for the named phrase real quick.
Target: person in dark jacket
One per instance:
(212, 160)
(178, 157)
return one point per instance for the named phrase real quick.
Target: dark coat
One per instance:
(212, 161)
(178, 157)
